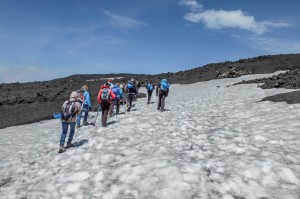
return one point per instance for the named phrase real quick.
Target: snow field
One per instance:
(213, 141)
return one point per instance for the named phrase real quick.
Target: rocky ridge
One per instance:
(22, 103)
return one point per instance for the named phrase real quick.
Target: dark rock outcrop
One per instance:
(289, 80)
(290, 98)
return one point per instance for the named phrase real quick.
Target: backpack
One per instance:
(129, 85)
(164, 86)
(68, 110)
(150, 87)
(116, 92)
(105, 95)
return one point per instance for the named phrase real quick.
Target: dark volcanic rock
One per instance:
(31, 102)
(289, 80)
(290, 98)
(35, 101)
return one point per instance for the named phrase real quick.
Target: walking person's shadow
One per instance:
(80, 143)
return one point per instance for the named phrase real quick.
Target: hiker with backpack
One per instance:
(131, 92)
(162, 91)
(70, 109)
(86, 106)
(111, 85)
(105, 97)
(116, 102)
(138, 86)
(150, 87)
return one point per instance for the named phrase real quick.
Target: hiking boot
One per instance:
(77, 127)
(148, 102)
(128, 109)
(69, 145)
(158, 108)
(104, 125)
(85, 123)
(61, 149)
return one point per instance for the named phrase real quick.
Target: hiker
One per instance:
(116, 102)
(111, 85)
(105, 97)
(122, 87)
(70, 109)
(162, 91)
(138, 86)
(150, 87)
(86, 106)
(130, 90)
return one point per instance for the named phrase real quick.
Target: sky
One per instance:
(43, 40)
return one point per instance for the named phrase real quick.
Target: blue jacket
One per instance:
(117, 91)
(87, 99)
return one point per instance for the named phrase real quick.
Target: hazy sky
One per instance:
(46, 39)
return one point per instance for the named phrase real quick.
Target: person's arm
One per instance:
(78, 107)
(99, 96)
(62, 108)
(126, 88)
(157, 89)
(112, 95)
(168, 91)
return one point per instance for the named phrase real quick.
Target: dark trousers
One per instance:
(161, 100)
(112, 105)
(130, 98)
(118, 102)
(105, 106)
(149, 95)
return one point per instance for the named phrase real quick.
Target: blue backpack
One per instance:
(116, 92)
(164, 85)
(150, 87)
(129, 85)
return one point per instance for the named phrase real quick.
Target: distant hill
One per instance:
(22, 103)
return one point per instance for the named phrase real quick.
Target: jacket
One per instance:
(112, 95)
(87, 99)
(118, 92)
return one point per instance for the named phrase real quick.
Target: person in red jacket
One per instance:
(105, 97)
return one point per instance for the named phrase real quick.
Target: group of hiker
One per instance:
(110, 95)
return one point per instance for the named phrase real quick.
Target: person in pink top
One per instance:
(105, 97)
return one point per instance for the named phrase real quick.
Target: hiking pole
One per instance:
(116, 115)
(99, 109)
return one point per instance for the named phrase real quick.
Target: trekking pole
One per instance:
(116, 115)
(99, 109)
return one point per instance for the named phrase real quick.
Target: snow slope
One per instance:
(213, 141)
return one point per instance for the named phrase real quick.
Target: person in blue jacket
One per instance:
(150, 87)
(162, 91)
(116, 102)
(86, 106)
(131, 92)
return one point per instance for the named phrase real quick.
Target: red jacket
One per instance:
(112, 95)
